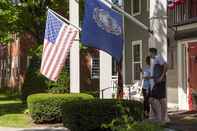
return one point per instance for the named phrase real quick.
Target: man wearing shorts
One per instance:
(158, 96)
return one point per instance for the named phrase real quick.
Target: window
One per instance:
(136, 60)
(95, 68)
(114, 67)
(136, 7)
(148, 5)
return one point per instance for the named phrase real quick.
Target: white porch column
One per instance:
(74, 52)
(124, 45)
(105, 75)
(182, 76)
(158, 23)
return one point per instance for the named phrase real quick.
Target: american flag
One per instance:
(58, 39)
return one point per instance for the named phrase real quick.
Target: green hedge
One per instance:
(90, 115)
(47, 108)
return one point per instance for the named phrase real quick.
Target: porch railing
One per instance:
(130, 92)
(184, 13)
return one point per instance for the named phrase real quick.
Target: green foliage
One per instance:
(135, 126)
(61, 85)
(145, 126)
(11, 111)
(93, 93)
(37, 83)
(46, 108)
(34, 81)
(8, 20)
(90, 115)
(126, 122)
(29, 16)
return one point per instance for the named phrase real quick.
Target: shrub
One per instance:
(47, 108)
(93, 93)
(61, 85)
(126, 123)
(90, 115)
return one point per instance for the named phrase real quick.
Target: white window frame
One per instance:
(93, 76)
(138, 42)
(138, 13)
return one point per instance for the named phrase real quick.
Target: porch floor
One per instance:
(183, 120)
(172, 96)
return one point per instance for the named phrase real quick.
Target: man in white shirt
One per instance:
(158, 86)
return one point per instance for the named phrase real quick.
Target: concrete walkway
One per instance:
(33, 129)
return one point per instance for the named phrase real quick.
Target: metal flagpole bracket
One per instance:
(158, 17)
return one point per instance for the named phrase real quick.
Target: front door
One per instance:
(192, 74)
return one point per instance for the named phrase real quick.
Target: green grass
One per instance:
(12, 112)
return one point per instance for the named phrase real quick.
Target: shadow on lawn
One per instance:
(8, 98)
(45, 130)
(12, 108)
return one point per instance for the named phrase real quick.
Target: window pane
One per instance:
(114, 68)
(148, 5)
(137, 72)
(136, 4)
(136, 53)
(95, 68)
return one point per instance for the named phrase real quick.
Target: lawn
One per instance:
(12, 112)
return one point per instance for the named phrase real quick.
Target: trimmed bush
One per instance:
(90, 115)
(47, 108)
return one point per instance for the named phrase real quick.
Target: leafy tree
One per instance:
(8, 20)
(27, 16)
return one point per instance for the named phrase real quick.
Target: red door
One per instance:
(193, 8)
(192, 68)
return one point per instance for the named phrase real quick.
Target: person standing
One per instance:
(146, 87)
(158, 97)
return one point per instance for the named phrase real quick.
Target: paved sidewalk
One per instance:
(33, 129)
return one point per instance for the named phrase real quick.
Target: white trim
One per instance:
(138, 13)
(138, 42)
(105, 74)
(74, 50)
(182, 96)
(187, 41)
(186, 27)
(124, 51)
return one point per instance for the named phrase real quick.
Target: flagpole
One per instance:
(129, 16)
(66, 20)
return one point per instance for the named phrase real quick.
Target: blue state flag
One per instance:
(102, 28)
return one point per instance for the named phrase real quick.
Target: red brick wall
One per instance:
(15, 55)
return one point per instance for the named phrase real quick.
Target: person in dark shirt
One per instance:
(158, 91)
